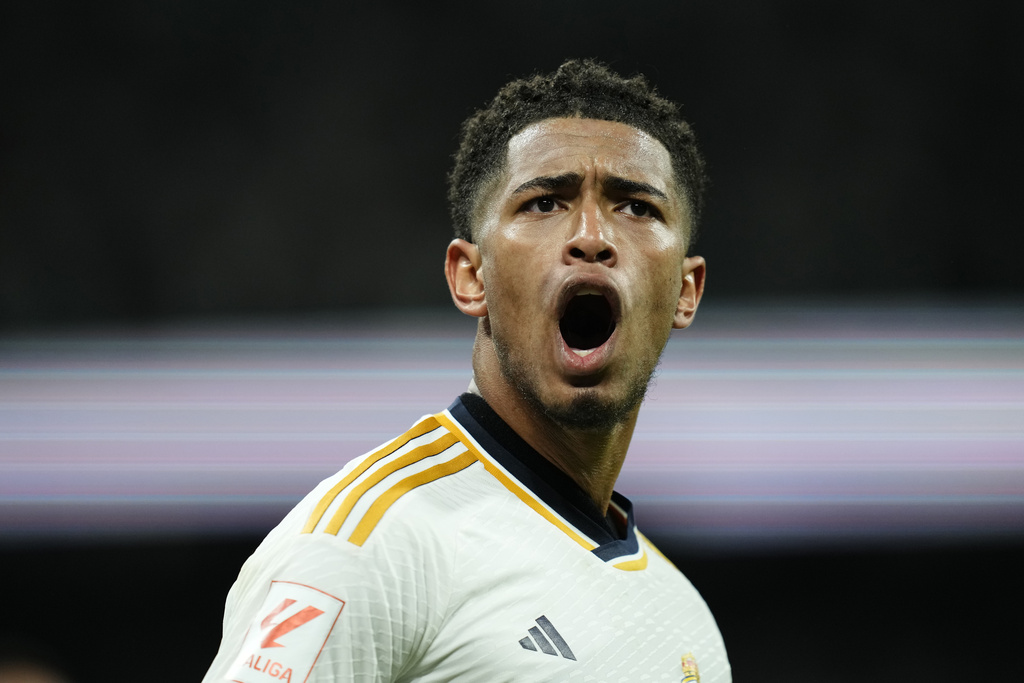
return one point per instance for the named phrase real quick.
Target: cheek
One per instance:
(667, 241)
(663, 277)
(510, 268)
(662, 301)
(508, 295)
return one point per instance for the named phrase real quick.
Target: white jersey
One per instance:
(457, 553)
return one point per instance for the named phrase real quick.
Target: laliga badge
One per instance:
(690, 673)
(287, 635)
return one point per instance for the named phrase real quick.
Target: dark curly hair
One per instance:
(579, 88)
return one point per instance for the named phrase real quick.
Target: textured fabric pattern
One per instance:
(448, 570)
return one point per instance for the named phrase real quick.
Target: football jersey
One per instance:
(456, 552)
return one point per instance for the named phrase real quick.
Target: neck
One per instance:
(591, 457)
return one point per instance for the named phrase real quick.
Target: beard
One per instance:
(587, 410)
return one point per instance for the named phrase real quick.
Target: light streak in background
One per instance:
(765, 427)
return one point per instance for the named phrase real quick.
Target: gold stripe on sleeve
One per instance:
(436, 446)
(512, 486)
(380, 506)
(425, 425)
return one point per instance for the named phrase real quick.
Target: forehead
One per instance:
(556, 146)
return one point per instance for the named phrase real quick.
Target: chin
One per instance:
(590, 410)
(601, 407)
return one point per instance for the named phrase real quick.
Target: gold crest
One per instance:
(690, 672)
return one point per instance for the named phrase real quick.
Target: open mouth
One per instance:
(587, 322)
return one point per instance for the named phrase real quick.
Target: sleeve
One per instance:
(313, 607)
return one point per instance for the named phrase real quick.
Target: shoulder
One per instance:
(373, 543)
(425, 479)
(401, 505)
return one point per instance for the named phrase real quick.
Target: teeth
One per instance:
(583, 353)
(587, 290)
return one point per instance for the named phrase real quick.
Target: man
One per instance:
(486, 543)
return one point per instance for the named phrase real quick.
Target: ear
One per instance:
(691, 291)
(462, 269)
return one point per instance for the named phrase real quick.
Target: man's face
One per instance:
(583, 266)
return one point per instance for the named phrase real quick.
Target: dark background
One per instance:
(179, 160)
(183, 159)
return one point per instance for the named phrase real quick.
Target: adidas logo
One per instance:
(537, 639)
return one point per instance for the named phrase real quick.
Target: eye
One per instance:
(541, 205)
(640, 209)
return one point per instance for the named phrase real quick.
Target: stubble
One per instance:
(587, 410)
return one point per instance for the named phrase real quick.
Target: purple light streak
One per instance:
(797, 425)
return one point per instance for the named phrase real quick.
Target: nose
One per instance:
(589, 240)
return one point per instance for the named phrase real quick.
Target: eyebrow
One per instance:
(613, 183)
(625, 186)
(550, 182)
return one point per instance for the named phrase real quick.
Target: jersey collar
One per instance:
(547, 482)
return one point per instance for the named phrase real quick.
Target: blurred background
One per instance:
(221, 233)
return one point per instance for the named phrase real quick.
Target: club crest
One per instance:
(690, 672)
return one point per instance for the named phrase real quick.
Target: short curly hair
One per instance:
(579, 88)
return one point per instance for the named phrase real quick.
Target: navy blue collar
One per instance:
(535, 472)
